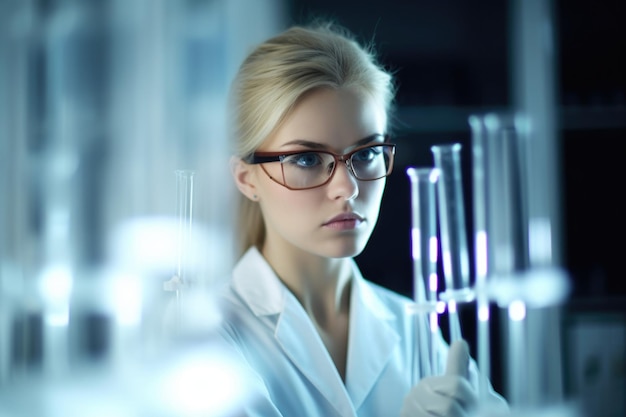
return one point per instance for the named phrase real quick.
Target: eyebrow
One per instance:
(316, 145)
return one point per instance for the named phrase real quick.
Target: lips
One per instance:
(345, 221)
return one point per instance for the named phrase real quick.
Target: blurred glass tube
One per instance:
(534, 94)
(184, 242)
(503, 259)
(506, 202)
(6, 313)
(479, 179)
(500, 232)
(19, 47)
(501, 215)
(424, 248)
(184, 188)
(77, 77)
(106, 100)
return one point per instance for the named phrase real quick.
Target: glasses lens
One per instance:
(312, 169)
(372, 163)
(307, 169)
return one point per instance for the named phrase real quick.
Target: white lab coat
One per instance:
(293, 374)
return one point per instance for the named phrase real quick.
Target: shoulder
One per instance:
(249, 302)
(235, 311)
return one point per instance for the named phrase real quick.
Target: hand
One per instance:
(449, 395)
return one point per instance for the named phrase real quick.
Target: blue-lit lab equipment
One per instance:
(113, 211)
(110, 113)
(424, 251)
(451, 209)
(515, 228)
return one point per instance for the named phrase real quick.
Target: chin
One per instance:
(347, 250)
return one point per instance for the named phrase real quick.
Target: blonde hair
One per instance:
(276, 74)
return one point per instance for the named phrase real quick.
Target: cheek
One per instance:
(281, 203)
(373, 193)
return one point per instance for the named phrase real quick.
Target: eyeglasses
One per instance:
(310, 169)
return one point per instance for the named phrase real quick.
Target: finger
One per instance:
(458, 359)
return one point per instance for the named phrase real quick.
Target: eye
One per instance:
(367, 154)
(304, 160)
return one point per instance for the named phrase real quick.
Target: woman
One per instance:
(312, 151)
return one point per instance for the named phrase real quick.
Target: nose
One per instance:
(343, 184)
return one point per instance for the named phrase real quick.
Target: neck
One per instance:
(325, 302)
(322, 285)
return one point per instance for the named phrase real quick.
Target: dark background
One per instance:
(452, 59)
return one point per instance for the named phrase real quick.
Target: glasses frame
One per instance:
(260, 158)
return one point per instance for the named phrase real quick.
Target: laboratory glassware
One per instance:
(424, 252)
(451, 209)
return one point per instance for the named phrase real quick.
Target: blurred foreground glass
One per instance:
(504, 271)
(101, 102)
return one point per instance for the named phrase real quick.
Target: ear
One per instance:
(244, 177)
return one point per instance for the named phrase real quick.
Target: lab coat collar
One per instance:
(268, 298)
(257, 284)
(371, 339)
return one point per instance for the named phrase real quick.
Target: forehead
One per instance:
(333, 118)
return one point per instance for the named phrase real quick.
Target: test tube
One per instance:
(507, 215)
(534, 80)
(184, 196)
(478, 131)
(184, 212)
(424, 248)
(453, 234)
(499, 234)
